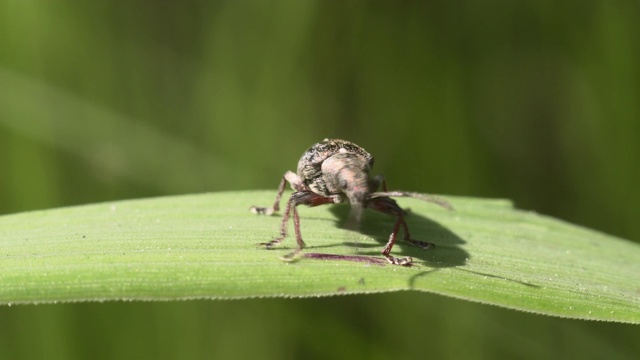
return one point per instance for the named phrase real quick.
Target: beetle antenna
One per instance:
(425, 197)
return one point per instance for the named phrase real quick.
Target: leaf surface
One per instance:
(204, 246)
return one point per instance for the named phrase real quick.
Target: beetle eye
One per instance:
(343, 183)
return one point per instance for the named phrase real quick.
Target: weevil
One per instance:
(336, 171)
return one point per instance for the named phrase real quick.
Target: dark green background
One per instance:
(536, 101)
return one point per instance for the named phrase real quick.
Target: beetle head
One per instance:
(348, 174)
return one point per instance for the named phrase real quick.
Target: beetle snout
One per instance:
(354, 184)
(347, 174)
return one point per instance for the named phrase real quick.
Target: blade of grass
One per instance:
(103, 142)
(204, 246)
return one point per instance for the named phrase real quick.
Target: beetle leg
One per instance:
(424, 197)
(308, 198)
(283, 226)
(407, 237)
(387, 205)
(296, 228)
(392, 240)
(296, 184)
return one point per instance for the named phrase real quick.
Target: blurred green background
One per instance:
(536, 101)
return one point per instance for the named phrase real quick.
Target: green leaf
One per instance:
(204, 246)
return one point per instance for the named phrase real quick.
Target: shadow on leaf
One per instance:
(447, 252)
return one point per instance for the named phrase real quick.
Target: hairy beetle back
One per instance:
(310, 164)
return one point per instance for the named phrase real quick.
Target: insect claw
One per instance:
(292, 256)
(269, 245)
(421, 244)
(403, 261)
(261, 210)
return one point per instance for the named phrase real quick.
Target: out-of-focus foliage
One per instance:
(535, 101)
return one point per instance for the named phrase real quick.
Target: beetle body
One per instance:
(338, 169)
(335, 171)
